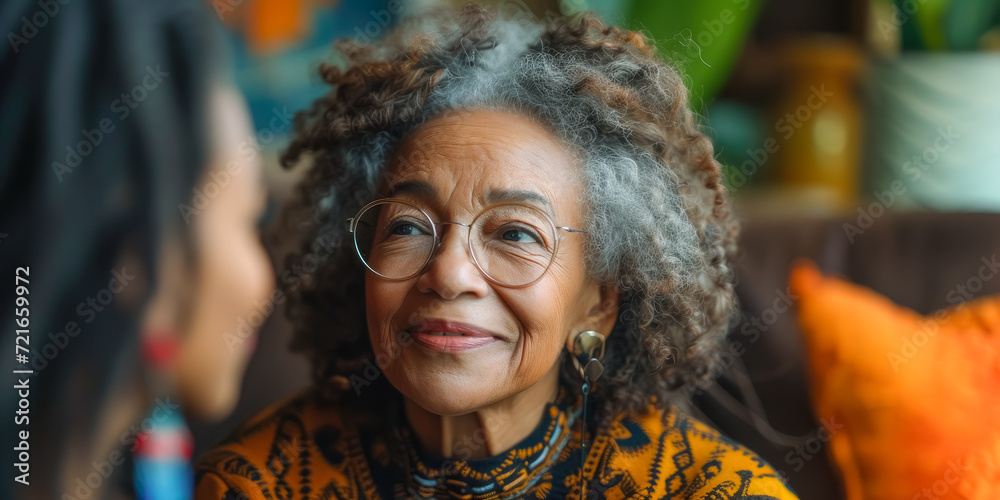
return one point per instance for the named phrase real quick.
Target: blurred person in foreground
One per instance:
(112, 116)
(521, 252)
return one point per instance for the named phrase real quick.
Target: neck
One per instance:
(486, 431)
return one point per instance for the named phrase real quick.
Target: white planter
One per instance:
(933, 131)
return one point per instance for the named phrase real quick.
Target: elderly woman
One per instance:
(518, 257)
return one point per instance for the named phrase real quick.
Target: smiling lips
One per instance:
(450, 336)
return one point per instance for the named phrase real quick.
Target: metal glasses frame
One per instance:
(353, 221)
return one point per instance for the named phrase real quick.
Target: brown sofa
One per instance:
(914, 259)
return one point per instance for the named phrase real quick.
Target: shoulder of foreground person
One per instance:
(673, 455)
(289, 450)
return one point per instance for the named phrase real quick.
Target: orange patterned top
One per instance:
(305, 448)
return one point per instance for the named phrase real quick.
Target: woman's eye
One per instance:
(404, 229)
(518, 236)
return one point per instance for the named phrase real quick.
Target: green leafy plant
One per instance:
(701, 38)
(947, 25)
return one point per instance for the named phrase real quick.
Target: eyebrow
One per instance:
(518, 195)
(416, 188)
(424, 190)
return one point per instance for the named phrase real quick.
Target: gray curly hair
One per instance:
(658, 223)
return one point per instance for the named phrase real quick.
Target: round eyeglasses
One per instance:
(513, 244)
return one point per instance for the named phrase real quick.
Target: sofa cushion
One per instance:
(912, 398)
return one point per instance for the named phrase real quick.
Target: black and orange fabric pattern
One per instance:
(304, 448)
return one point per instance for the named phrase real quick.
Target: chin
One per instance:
(215, 411)
(446, 396)
(447, 407)
(211, 406)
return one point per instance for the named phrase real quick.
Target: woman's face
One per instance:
(226, 293)
(454, 166)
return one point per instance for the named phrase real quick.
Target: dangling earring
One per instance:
(162, 457)
(588, 351)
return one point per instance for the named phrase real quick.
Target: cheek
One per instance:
(547, 310)
(382, 303)
(237, 274)
(541, 311)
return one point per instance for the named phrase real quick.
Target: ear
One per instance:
(600, 307)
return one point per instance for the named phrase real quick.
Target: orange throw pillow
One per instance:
(918, 398)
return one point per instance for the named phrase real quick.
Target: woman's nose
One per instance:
(451, 271)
